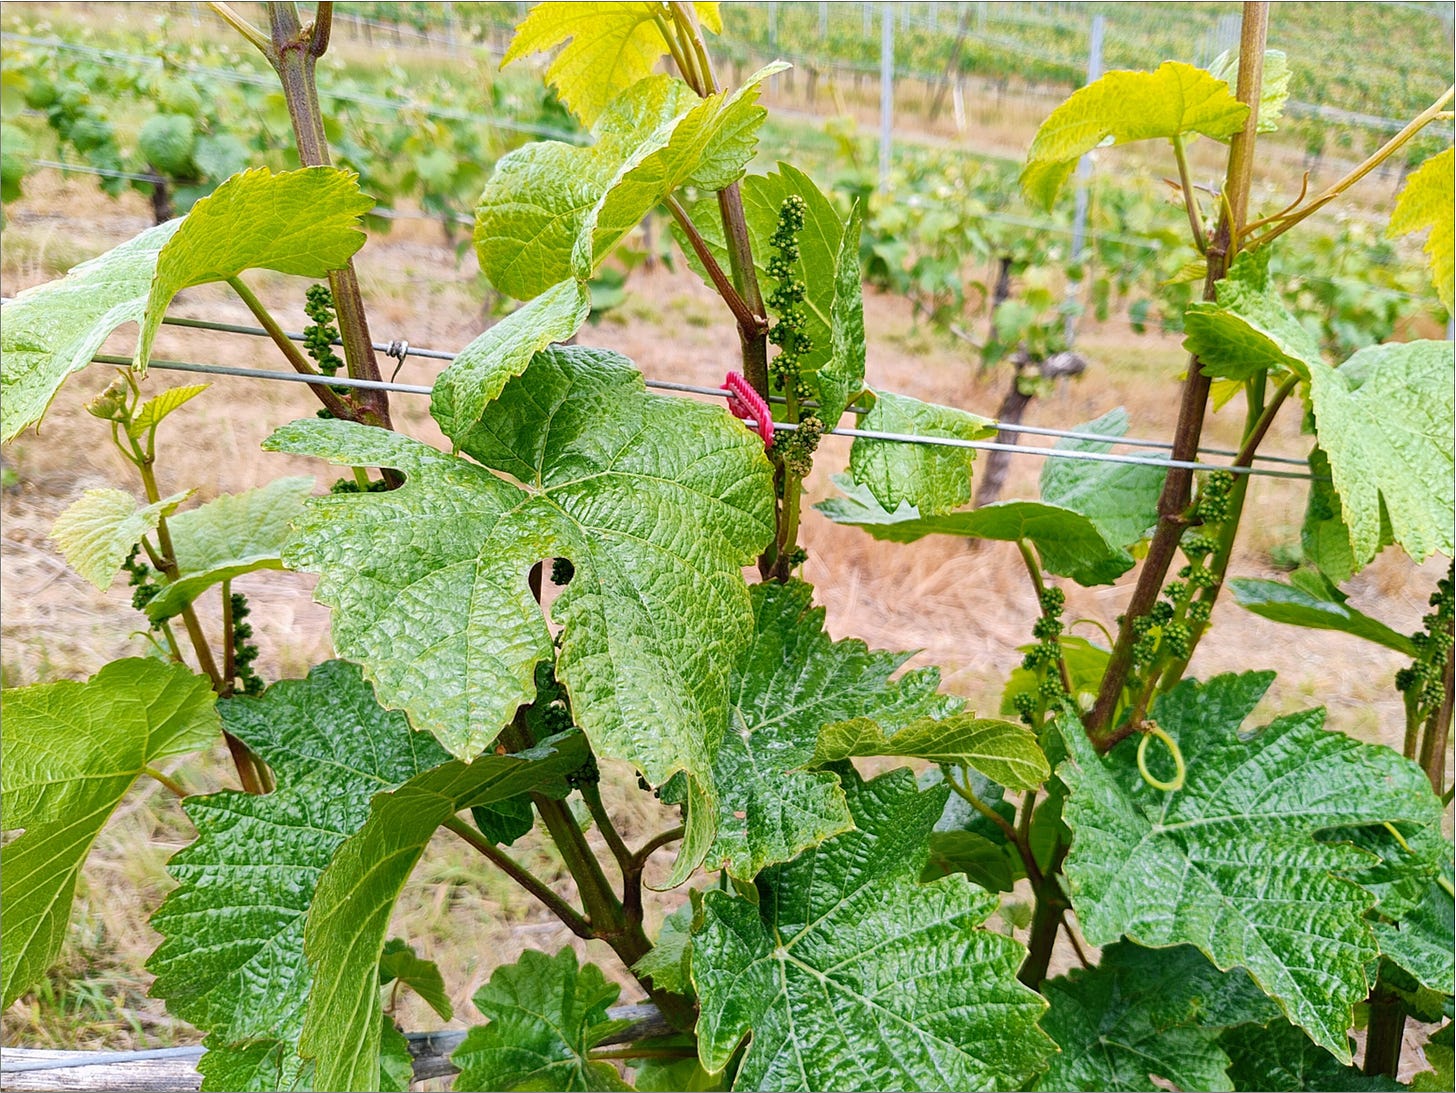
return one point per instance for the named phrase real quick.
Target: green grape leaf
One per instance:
(1300, 607)
(933, 478)
(483, 367)
(304, 222)
(344, 935)
(156, 408)
(612, 47)
(1127, 106)
(1402, 868)
(1147, 1012)
(72, 750)
(670, 959)
(981, 859)
(98, 530)
(55, 329)
(658, 502)
(1385, 421)
(1325, 537)
(1426, 202)
(1282, 1059)
(1120, 498)
(231, 960)
(400, 962)
(1422, 942)
(1273, 84)
(1248, 331)
(669, 1075)
(552, 211)
(1229, 863)
(234, 534)
(545, 1014)
(850, 974)
(790, 681)
(1069, 543)
(258, 1066)
(822, 262)
(842, 377)
(1442, 1059)
(1005, 753)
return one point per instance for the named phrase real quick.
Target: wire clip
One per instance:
(748, 405)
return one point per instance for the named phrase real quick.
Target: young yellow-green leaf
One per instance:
(709, 147)
(72, 750)
(847, 973)
(841, 378)
(1426, 202)
(235, 534)
(1005, 753)
(400, 963)
(612, 46)
(55, 329)
(791, 681)
(658, 502)
(1229, 862)
(1120, 498)
(822, 259)
(931, 477)
(553, 211)
(98, 530)
(1304, 607)
(1127, 106)
(1145, 1012)
(1273, 85)
(483, 367)
(1281, 1059)
(304, 222)
(231, 962)
(1069, 543)
(1248, 331)
(537, 199)
(297, 222)
(349, 916)
(1385, 421)
(156, 408)
(545, 1014)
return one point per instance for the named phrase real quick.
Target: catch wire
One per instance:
(402, 349)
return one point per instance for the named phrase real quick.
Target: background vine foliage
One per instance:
(1254, 891)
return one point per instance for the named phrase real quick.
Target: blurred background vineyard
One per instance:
(113, 117)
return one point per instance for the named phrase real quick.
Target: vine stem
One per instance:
(293, 51)
(174, 786)
(1289, 218)
(252, 772)
(229, 638)
(746, 318)
(568, 914)
(1039, 583)
(1262, 417)
(1177, 488)
(1017, 838)
(1190, 198)
(335, 405)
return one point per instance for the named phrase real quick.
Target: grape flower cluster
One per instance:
(1423, 683)
(1043, 660)
(787, 302)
